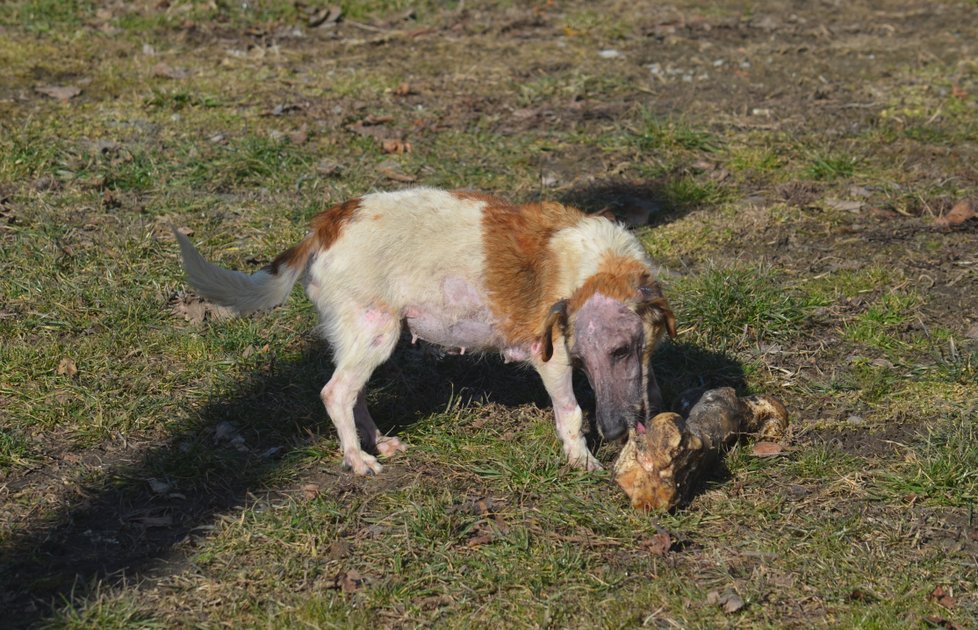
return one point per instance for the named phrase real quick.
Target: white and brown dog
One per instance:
(541, 283)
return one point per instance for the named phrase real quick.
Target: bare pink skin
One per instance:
(609, 341)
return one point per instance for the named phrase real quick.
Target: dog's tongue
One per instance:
(639, 428)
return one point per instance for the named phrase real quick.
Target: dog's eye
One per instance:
(622, 352)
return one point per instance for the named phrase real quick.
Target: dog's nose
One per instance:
(614, 432)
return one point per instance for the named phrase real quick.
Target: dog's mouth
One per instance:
(613, 433)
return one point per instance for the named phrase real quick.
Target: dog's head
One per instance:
(611, 333)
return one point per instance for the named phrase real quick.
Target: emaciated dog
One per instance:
(541, 283)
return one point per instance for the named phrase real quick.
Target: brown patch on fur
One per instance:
(521, 270)
(328, 224)
(326, 228)
(618, 277)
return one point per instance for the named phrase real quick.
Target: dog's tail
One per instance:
(262, 290)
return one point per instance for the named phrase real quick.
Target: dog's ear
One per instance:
(557, 315)
(657, 310)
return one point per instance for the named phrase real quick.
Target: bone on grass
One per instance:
(658, 467)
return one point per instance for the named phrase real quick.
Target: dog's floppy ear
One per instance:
(557, 315)
(657, 309)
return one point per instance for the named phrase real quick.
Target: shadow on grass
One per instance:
(126, 524)
(645, 203)
(122, 528)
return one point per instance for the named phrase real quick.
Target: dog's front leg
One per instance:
(557, 375)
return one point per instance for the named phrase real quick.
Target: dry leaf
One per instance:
(195, 309)
(729, 601)
(300, 135)
(733, 604)
(339, 549)
(328, 169)
(158, 486)
(396, 175)
(943, 597)
(481, 538)
(325, 16)
(844, 205)
(404, 89)
(862, 595)
(370, 129)
(60, 92)
(282, 109)
(349, 581)
(67, 368)
(941, 622)
(373, 119)
(225, 431)
(310, 491)
(767, 449)
(393, 145)
(659, 544)
(961, 212)
(154, 521)
(882, 213)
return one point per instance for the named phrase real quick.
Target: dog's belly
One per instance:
(457, 318)
(471, 334)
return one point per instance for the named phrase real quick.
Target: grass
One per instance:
(656, 133)
(185, 474)
(877, 326)
(729, 305)
(830, 166)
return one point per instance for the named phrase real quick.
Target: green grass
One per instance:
(187, 475)
(877, 327)
(724, 304)
(940, 467)
(14, 450)
(656, 133)
(42, 16)
(830, 166)
(687, 192)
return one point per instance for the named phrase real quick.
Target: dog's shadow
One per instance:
(636, 204)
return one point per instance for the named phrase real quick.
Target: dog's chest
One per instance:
(456, 316)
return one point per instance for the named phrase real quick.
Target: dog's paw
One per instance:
(389, 445)
(362, 463)
(585, 461)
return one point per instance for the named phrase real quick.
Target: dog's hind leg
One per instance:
(363, 340)
(371, 439)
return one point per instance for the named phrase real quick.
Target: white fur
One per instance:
(241, 292)
(581, 248)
